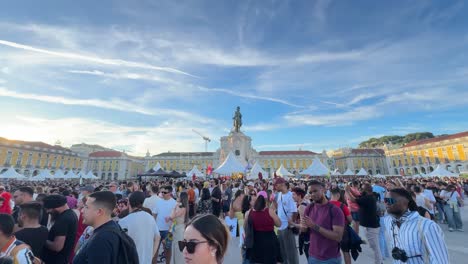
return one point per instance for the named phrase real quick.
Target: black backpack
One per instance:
(127, 253)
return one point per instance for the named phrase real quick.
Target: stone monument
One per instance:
(237, 142)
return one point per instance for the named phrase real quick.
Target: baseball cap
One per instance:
(88, 188)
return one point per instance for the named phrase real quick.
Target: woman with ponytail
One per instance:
(412, 236)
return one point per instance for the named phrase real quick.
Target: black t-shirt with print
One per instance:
(35, 238)
(65, 225)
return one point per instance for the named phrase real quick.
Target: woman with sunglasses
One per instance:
(205, 240)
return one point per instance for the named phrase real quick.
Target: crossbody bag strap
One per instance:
(425, 252)
(282, 206)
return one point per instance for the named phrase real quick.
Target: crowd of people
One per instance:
(193, 221)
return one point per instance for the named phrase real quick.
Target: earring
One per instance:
(213, 253)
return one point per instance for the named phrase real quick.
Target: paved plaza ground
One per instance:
(457, 243)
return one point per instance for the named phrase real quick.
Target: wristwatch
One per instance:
(316, 228)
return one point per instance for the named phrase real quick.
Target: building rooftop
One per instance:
(33, 144)
(436, 139)
(179, 154)
(368, 151)
(287, 152)
(106, 154)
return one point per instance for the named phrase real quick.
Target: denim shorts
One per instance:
(166, 238)
(355, 216)
(312, 260)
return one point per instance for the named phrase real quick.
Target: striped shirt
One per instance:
(23, 256)
(418, 236)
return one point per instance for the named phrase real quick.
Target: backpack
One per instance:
(19, 247)
(127, 252)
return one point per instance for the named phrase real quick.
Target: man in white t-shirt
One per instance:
(150, 202)
(162, 211)
(286, 209)
(141, 227)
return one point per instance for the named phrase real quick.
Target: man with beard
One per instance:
(20, 196)
(326, 223)
(62, 234)
(414, 239)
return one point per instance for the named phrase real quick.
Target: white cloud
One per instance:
(173, 136)
(93, 59)
(113, 104)
(338, 119)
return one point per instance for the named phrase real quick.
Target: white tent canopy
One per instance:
(336, 173)
(44, 174)
(283, 172)
(58, 174)
(11, 174)
(230, 165)
(442, 172)
(71, 175)
(82, 174)
(195, 171)
(378, 175)
(90, 175)
(362, 172)
(348, 172)
(256, 169)
(157, 166)
(316, 169)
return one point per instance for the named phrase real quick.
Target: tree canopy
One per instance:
(398, 140)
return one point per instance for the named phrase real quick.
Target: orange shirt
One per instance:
(191, 195)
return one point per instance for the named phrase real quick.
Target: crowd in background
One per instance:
(186, 221)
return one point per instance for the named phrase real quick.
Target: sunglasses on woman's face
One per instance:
(190, 245)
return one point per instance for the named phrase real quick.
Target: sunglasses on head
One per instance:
(190, 245)
(390, 201)
(164, 192)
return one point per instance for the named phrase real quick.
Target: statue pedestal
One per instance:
(239, 144)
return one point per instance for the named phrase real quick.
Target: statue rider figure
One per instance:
(237, 120)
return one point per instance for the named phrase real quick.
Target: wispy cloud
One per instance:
(113, 104)
(126, 75)
(338, 119)
(167, 136)
(94, 59)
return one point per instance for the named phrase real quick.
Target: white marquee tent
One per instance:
(71, 175)
(230, 165)
(362, 172)
(256, 169)
(157, 167)
(348, 172)
(316, 169)
(91, 176)
(442, 172)
(12, 174)
(193, 171)
(43, 175)
(378, 175)
(283, 172)
(58, 174)
(336, 173)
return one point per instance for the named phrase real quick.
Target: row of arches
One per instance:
(418, 170)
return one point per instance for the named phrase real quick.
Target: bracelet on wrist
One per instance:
(316, 227)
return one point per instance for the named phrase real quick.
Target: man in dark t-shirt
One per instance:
(33, 234)
(61, 238)
(216, 196)
(369, 219)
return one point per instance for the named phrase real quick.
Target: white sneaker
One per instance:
(460, 230)
(451, 229)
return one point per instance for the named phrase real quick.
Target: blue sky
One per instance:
(140, 75)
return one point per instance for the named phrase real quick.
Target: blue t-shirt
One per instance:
(380, 190)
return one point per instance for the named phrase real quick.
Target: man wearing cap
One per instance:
(286, 209)
(60, 242)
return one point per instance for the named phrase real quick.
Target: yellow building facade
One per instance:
(114, 165)
(28, 158)
(372, 160)
(425, 155)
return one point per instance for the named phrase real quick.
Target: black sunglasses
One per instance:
(164, 192)
(390, 201)
(191, 245)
